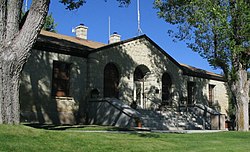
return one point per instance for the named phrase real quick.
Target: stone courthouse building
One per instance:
(130, 83)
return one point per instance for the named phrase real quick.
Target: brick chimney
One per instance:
(115, 37)
(81, 31)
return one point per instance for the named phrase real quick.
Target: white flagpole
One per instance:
(138, 18)
(109, 26)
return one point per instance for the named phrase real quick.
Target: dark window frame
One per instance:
(60, 79)
(211, 88)
(166, 89)
(111, 81)
(191, 92)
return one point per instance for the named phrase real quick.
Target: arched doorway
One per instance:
(166, 89)
(140, 74)
(111, 81)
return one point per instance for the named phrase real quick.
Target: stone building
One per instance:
(69, 80)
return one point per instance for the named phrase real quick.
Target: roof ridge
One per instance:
(196, 68)
(89, 43)
(194, 71)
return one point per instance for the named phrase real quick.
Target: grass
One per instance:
(24, 138)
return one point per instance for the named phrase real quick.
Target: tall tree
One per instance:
(219, 30)
(49, 24)
(16, 40)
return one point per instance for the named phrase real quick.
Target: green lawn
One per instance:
(24, 138)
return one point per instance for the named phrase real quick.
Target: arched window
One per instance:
(166, 88)
(140, 72)
(111, 81)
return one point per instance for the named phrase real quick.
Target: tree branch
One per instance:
(13, 18)
(31, 28)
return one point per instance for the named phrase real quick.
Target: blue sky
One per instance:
(95, 14)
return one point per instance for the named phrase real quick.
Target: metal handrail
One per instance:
(120, 109)
(208, 109)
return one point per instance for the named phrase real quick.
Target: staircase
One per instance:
(114, 112)
(152, 119)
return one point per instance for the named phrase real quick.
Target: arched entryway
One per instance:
(111, 81)
(140, 75)
(166, 89)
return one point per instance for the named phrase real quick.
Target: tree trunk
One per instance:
(14, 51)
(240, 91)
(9, 74)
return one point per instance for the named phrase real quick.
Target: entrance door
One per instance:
(111, 81)
(140, 75)
(138, 92)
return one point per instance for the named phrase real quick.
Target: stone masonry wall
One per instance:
(220, 99)
(127, 57)
(37, 103)
(141, 52)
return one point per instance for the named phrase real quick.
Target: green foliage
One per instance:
(217, 29)
(22, 138)
(72, 4)
(50, 24)
(75, 4)
(123, 2)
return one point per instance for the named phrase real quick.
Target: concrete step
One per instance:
(172, 120)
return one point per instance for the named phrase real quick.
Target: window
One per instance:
(191, 88)
(111, 81)
(166, 88)
(138, 74)
(60, 79)
(210, 94)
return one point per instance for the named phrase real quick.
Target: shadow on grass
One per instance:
(76, 127)
(148, 135)
(134, 132)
